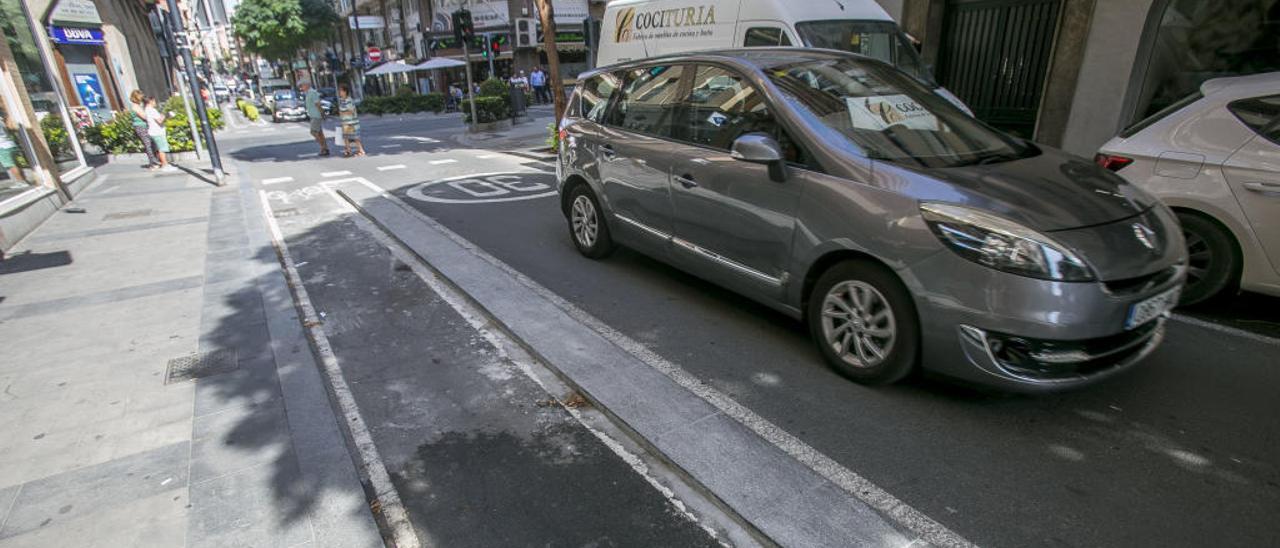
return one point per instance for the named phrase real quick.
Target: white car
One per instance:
(1214, 157)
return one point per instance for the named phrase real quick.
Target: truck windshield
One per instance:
(888, 115)
(876, 39)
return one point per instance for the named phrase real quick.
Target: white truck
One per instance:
(638, 29)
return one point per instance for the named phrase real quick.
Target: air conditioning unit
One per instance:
(526, 32)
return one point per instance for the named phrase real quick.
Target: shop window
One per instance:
(1198, 41)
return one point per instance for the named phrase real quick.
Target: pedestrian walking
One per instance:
(156, 132)
(539, 82)
(314, 112)
(350, 122)
(138, 116)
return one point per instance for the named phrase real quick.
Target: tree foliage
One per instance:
(277, 29)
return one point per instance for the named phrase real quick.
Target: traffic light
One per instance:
(495, 46)
(483, 43)
(463, 28)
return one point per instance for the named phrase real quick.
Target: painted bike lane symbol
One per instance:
(486, 188)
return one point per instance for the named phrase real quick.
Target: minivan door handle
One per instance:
(607, 152)
(1263, 187)
(686, 181)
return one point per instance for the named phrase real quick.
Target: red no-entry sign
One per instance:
(375, 54)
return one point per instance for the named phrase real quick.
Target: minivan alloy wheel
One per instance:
(858, 323)
(586, 222)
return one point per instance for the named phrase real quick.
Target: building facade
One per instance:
(1074, 73)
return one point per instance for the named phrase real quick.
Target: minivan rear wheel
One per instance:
(864, 323)
(587, 227)
(1212, 260)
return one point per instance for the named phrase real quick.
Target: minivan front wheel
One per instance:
(864, 323)
(586, 224)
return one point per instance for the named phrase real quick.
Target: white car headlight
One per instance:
(1003, 244)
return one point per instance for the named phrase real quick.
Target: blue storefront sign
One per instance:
(90, 90)
(76, 35)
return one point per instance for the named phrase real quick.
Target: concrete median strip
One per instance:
(786, 493)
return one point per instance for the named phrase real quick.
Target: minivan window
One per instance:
(650, 98)
(876, 39)
(765, 37)
(1261, 114)
(889, 116)
(722, 107)
(595, 94)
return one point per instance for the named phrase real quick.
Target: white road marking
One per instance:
(390, 146)
(1227, 329)
(276, 180)
(442, 162)
(486, 188)
(392, 508)
(309, 155)
(335, 173)
(389, 168)
(415, 138)
(855, 485)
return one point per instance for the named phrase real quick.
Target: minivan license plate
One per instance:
(1149, 309)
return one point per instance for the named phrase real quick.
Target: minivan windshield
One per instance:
(889, 116)
(876, 39)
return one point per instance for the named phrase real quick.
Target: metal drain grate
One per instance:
(200, 365)
(128, 214)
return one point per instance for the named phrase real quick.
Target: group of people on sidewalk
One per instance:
(537, 82)
(148, 124)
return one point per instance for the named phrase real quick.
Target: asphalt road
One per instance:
(1184, 450)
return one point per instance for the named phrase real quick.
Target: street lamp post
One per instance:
(183, 45)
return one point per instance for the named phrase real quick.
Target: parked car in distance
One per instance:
(1214, 157)
(267, 87)
(328, 100)
(839, 190)
(221, 93)
(288, 107)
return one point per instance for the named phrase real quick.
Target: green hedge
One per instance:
(55, 133)
(489, 109)
(403, 103)
(118, 137)
(247, 108)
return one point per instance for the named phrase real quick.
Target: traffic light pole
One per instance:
(488, 49)
(185, 47)
(470, 89)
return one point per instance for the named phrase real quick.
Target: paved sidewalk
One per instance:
(105, 444)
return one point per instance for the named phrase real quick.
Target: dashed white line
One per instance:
(335, 173)
(391, 146)
(309, 155)
(486, 156)
(441, 162)
(276, 180)
(389, 168)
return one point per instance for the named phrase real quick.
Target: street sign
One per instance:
(375, 54)
(367, 22)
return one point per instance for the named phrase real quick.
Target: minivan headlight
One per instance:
(1003, 244)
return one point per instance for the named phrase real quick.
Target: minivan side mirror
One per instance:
(759, 148)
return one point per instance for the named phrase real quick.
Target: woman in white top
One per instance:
(155, 130)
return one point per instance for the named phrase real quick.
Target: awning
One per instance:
(439, 63)
(392, 67)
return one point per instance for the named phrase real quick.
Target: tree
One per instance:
(553, 56)
(278, 29)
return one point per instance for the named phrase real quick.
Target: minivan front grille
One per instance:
(1134, 286)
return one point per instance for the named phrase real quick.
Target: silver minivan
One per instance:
(842, 192)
